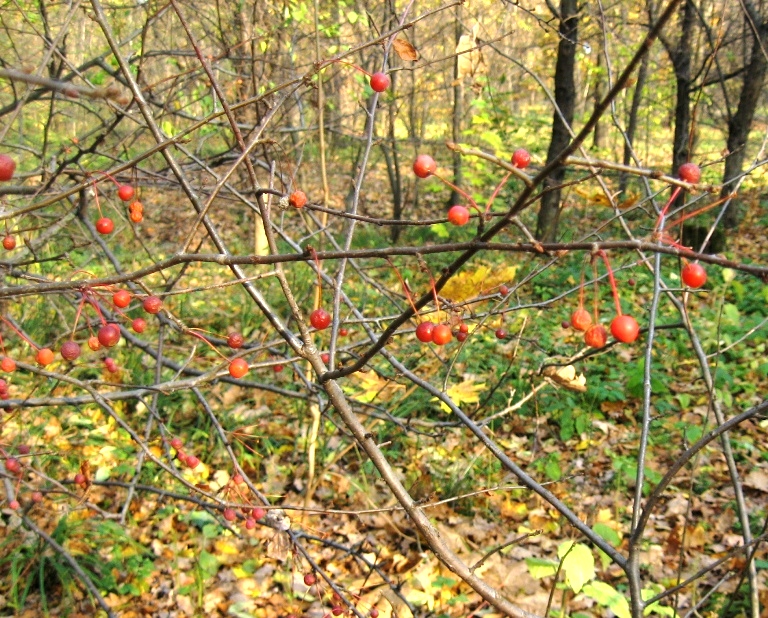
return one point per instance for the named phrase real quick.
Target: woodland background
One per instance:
(356, 470)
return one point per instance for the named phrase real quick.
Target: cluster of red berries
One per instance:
(105, 225)
(439, 334)
(136, 212)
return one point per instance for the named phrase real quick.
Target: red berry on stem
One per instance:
(694, 275)
(458, 215)
(441, 334)
(521, 158)
(136, 216)
(689, 172)
(320, 319)
(192, 461)
(229, 514)
(105, 225)
(380, 82)
(278, 368)
(152, 304)
(581, 320)
(125, 193)
(8, 365)
(14, 505)
(121, 298)
(9, 243)
(94, 343)
(298, 199)
(503, 290)
(596, 336)
(325, 357)
(44, 356)
(463, 328)
(250, 523)
(424, 166)
(7, 167)
(235, 340)
(343, 332)
(70, 350)
(501, 334)
(176, 443)
(36, 496)
(461, 337)
(374, 613)
(625, 328)
(424, 332)
(310, 579)
(238, 368)
(79, 478)
(257, 513)
(139, 325)
(13, 465)
(109, 335)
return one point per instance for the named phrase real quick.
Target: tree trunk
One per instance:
(637, 97)
(740, 123)
(681, 61)
(565, 99)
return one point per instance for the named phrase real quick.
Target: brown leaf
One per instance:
(405, 50)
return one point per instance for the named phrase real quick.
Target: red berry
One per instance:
(238, 479)
(111, 365)
(152, 304)
(596, 336)
(503, 290)
(8, 365)
(136, 207)
(380, 82)
(689, 172)
(94, 343)
(125, 193)
(136, 216)
(109, 335)
(325, 357)
(7, 167)
(238, 368)
(310, 579)
(694, 275)
(44, 356)
(337, 610)
(37, 496)
(250, 523)
(24, 449)
(235, 340)
(461, 336)
(257, 513)
(229, 514)
(298, 199)
(70, 350)
(374, 613)
(625, 328)
(121, 298)
(441, 334)
(139, 325)
(343, 332)
(320, 319)
(458, 215)
(105, 225)
(14, 505)
(79, 478)
(580, 319)
(424, 166)
(192, 461)
(13, 465)
(521, 158)
(176, 443)
(501, 334)
(278, 368)
(9, 243)
(424, 332)
(463, 328)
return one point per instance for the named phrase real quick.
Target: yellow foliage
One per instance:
(466, 285)
(463, 392)
(369, 386)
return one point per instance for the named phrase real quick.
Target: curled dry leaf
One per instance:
(566, 376)
(405, 50)
(470, 59)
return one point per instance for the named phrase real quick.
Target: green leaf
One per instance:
(655, 608)
(209, 564)
(578, 564)
(607, 595)
(441, 230)
(608, 533)
(540, 568)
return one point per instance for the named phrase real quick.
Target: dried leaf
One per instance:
(466, 285)
(463, 392)
(405, 50)
(566, 376)
(470, 60)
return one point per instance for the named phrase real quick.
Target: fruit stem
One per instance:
(496, 191)
(664, 210)
(194, 333)
(19, 333)
(96, 195)
(108, 175)
(581, 287)
(614, 290)
(701, 210)
(405, 288)
(354, 66)
(461, 192)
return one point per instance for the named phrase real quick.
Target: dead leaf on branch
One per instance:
(466, 285)
(405, 50)
(470, 60)
(567, 377)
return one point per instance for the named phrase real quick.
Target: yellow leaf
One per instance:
(463, 392)
(566, 376)
(369, 386)
(466, 285)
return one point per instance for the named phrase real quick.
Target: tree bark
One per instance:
(681, 61)
(457, 111)
(565, 100)
(740, 123)
(637, 97)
